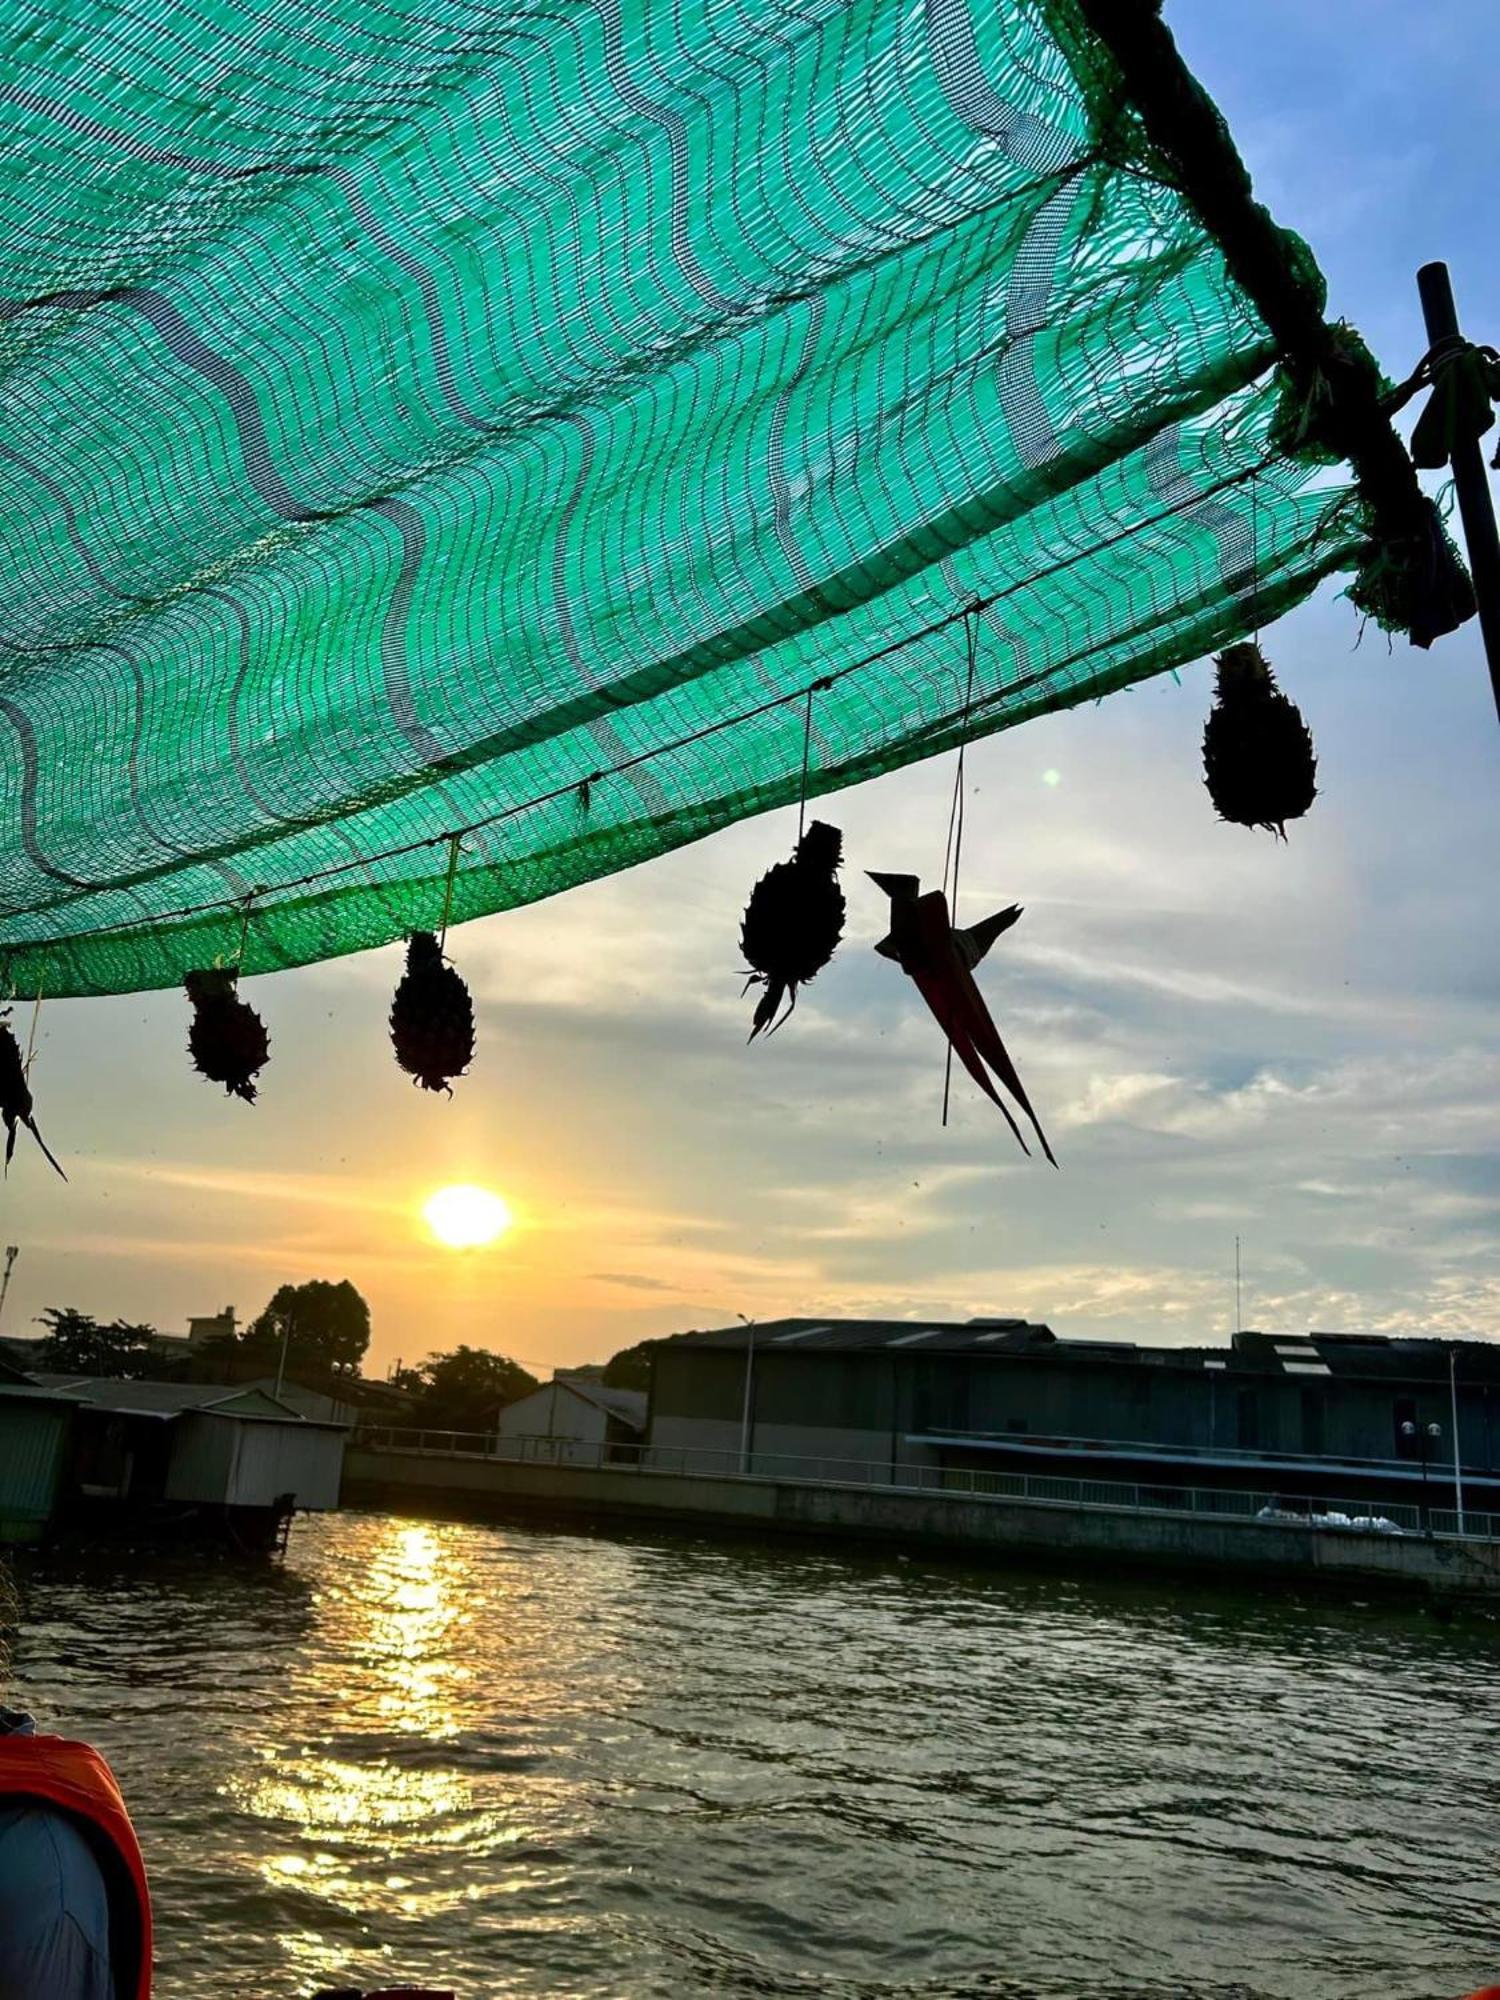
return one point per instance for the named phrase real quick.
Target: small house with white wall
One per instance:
(185, 1456)
(573, 1420)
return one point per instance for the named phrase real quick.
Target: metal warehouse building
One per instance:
(1314, 1413)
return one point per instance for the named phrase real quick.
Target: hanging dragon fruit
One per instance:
(1258, 756)
(227, 1040)
(432, 1016)
(793, 923)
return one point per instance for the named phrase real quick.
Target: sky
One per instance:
(1297, 1045)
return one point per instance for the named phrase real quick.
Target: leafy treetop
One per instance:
(77, 1344)
(326, 1327)
(463, 1390)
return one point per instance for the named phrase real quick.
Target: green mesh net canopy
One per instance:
(542, 422)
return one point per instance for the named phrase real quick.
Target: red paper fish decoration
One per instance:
(941, 959)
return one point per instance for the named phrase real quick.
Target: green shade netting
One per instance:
(497, 418)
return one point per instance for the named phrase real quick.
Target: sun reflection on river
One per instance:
(420, 1587)
(421, 1760)
(388, 1680)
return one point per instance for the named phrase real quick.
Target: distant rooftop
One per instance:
(1311, 1355)
(944, 1336)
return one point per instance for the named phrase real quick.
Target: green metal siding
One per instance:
(894, 1391)
(32, 1440)
(698, 1382)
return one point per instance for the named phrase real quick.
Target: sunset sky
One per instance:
(1220, 1034)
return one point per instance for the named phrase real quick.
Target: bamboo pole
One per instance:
(1476, 503)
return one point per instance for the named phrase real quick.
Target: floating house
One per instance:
(572, 1420)
(35, 1427)
(1306, 1414)
(87, 1454)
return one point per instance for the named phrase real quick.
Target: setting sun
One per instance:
(466, 1218)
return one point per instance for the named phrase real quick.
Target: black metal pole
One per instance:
(1476, 503)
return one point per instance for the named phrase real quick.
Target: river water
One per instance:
(518, 1761)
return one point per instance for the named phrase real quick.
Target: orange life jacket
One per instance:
(76, 1780)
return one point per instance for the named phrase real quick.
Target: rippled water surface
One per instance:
(527, 1762)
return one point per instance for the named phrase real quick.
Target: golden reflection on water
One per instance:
(421, 1603)
(390, 1662)
(400, 1785)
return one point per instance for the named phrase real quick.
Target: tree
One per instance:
(76, 1344)
(326, 1328)
(631, 1367)
(464, 1390)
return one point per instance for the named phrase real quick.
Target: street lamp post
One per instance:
(1422, 1435)
(1458, 1473)
(1426, 1435)
(749, 1393)
(12, 1252)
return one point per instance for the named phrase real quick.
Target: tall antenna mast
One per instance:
(1239, 1321)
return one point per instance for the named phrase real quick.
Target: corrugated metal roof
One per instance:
(31, 1391)
(629, 1405)
(174, 1399)
(1382, 1357)
(1310, 1356)
(802, 1336)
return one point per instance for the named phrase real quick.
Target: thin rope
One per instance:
(239, 956)
(956, 819)
(1255, 562)
(36, 1015)
(806, 755)
(455, 842)
(400, 851)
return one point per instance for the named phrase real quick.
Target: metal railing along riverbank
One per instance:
(1280, 1508)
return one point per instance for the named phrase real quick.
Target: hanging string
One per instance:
(954, 854)
(956, 809)
(36, 1015)
(246, 907)
(1254, 561)
(806, 758)
(455, 841)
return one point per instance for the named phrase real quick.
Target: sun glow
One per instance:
(465, 1217)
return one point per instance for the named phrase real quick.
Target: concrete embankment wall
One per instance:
(1008, 1530)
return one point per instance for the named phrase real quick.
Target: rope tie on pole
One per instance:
(455, 842)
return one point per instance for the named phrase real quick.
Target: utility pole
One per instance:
(12, 1252)
(1458, 1477)
(1476, 503)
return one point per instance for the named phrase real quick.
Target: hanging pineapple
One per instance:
(1258, 757)
(227, 1040)
(793, 922)
(432, 1016)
